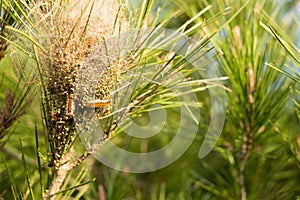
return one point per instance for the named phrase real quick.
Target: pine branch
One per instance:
(63, 170)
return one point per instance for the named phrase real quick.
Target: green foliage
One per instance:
(252, 146)
(257, 155)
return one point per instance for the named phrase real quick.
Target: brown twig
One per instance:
(247, 137)
(64, 169)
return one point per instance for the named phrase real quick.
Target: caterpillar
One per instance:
(97, 103)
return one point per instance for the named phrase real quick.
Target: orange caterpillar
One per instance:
(70, 107)
(98, 103)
